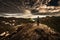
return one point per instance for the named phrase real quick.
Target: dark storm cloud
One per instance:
(9, 6)
(14, 6)
(54, 3)
(59, 2)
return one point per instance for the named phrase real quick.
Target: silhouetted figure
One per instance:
(38, 21)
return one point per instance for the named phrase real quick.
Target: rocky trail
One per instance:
(33, 32)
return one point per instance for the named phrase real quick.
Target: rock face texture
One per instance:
(33, 32)
(23, 29)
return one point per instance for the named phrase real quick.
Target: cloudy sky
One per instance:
(17, 6)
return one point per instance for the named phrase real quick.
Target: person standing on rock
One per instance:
(38, 21)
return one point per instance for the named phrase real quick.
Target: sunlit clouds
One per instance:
(23, 9)
(48, 9)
